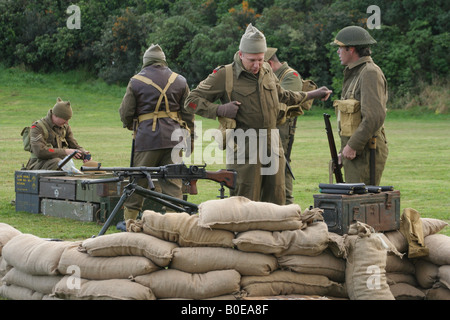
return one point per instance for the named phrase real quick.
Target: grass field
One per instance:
(418, 164)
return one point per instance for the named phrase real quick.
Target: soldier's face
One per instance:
(345, 54)
(59, 121)
(252, 62)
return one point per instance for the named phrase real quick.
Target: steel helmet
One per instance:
(353, 36)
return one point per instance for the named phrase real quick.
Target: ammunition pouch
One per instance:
(349, 115)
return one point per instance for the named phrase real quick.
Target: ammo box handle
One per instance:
(388, 200)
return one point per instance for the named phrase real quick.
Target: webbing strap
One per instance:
(163, 94)
(229, 80)
(285, 73)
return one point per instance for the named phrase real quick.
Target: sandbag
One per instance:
(180, 228)
(130, 244)
(365, 273)
(439, 249)
(438, 293)
(404, 291)
(336, 245)
(325, 264)
(240, 214)
(395, 278)
(171, 283)
(4, 267)
(42, 284)
(444, 276)
(103, 268)
(399, 264)
(426, 273)
(7, 232)
(283, 282)
(310, 241)
(429, 226)
(111, 289)
(14, 292)
(34, 255)
(205, 259)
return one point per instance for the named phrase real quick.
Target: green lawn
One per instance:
(418, 163)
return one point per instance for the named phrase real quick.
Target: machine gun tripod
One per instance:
(174, 171)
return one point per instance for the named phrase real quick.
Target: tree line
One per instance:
(198, 35)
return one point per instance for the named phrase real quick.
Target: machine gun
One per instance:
(335, 166)
(189, 176)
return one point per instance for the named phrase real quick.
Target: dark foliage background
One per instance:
(198, 35)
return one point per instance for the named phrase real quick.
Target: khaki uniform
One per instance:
(260, 96)
(372, 93)
(289, 80)
(48, 145)
(153, 143)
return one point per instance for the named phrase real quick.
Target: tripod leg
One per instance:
(126, 193)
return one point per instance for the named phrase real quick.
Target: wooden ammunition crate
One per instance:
(63, 188)
(379, 210)
(75, 210)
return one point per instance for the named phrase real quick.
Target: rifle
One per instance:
(373, 148)
(173, 171)
(289, 150)
(336, 167)
(66, 159)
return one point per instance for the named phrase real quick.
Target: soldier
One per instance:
(290, 79)
(362, 109)
(155, 98)
(254, 103)
(51, 139)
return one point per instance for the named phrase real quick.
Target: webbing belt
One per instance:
(160, 114)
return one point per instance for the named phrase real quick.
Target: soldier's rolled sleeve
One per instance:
(373, 108)
(289, 97)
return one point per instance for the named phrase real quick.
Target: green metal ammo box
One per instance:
(379, 210)
(27, 186)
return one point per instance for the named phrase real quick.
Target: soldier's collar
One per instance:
(360, 61)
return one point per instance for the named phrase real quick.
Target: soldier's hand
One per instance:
(228, 110)
(323, 93)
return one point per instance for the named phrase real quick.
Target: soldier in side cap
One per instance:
(153, 108)
(51, 139)
(361, 111)
(254, 103)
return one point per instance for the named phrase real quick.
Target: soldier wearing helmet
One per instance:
(361, 111)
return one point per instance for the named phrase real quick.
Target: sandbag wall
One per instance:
(233, 249)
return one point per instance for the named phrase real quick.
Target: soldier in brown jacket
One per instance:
(254, 103)
(51, 139)
(290, 79)
(154, 99)
(362, 109)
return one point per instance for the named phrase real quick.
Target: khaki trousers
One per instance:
(358, 169)
(250, 183)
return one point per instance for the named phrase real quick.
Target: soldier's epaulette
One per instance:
(218, 68)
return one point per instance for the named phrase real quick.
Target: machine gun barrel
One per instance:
(174, 171)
